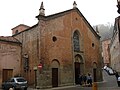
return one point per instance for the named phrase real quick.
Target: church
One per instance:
(58, 48)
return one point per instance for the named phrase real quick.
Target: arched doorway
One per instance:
(79, 67)
(55, 72)
(94, 71)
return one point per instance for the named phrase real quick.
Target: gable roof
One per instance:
(21, 25)
(66, 12)
(26, 29)
(49, 17)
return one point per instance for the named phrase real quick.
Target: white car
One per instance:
(118, 78)
(109, 70)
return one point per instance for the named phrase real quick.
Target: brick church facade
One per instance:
(64, 44)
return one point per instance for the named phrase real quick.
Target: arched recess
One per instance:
(94, 71)
(55, 72)
(79, 67)
(55, 63)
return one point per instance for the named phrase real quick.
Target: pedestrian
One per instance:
(116, 75)
(80, 79)
(84, 79)
(118, 78)
(89, 79)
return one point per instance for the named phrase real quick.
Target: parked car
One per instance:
(109, 70)
(118, 81)
(15, 83)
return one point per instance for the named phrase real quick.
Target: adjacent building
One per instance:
(106, 51)
(115, 46)
(19, 28)
(10, 58)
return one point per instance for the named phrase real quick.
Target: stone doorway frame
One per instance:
(78, 67)
(55, 67)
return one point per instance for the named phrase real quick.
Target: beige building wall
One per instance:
(106, 51)
(115, 46)
(10, 59)
(30, 40)
(115, 54)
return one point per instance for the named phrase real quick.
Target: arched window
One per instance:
(76, 42)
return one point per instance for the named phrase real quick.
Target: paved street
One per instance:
(67, 88)
(109, 83)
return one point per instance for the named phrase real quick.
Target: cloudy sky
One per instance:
(15, 12)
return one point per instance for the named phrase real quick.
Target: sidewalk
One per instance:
(104, 85)
(55, 88)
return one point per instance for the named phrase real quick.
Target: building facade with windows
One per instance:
(59, 48)
(65, 44)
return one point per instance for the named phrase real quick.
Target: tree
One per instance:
(105, 30)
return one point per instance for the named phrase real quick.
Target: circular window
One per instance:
(54, 39)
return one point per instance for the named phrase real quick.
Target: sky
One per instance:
(15, 12)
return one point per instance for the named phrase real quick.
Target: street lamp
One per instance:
(118, 5)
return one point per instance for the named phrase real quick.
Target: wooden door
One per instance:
(94, 75)
(7, 74)
(77, 72)
(54, 77)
